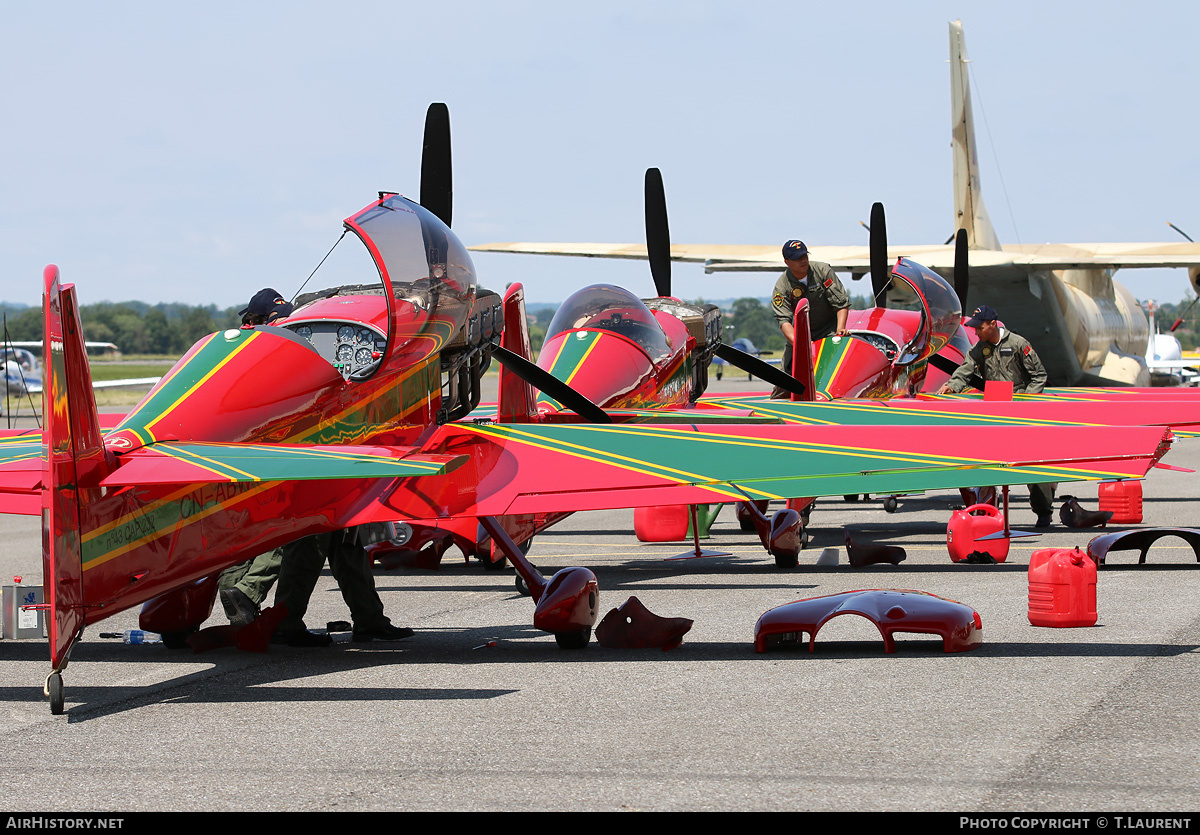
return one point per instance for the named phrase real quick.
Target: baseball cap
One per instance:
(983, 313)
(794, 250)
(265, 302)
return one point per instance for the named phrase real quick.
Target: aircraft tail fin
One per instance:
(518, 399)
(76, 461)
(803, 368)
(969, 211)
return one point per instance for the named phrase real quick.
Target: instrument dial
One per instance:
(304, 331)
(345, 353)
(365, 337)
(345, 333)
(362, 357)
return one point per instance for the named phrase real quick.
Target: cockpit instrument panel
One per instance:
(352, 347)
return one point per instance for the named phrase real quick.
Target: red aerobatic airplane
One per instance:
(342, 416)
(608, 354)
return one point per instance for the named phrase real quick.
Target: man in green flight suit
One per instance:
(1003, 355)
(829, 304)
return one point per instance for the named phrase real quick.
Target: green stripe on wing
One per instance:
(179, 463)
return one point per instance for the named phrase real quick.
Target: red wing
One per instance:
(525, 469)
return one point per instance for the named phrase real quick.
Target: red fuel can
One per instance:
(969, 524)
(664, 523)
(1062, 588)
(1124, 499)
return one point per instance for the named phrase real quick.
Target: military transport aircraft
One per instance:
(1087, 328)
(342, 416)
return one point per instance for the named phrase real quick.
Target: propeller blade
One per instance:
(943, 364)
(961, 268)
(1180, 231)
(546, 382)
(658, 235)
(762, 370)
(437, 182)
(881, 274)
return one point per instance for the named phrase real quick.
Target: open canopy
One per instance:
(428, 280)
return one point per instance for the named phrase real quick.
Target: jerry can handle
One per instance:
(983, 510)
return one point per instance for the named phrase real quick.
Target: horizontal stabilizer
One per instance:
(196, 463)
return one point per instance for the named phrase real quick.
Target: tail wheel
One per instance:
(522, 586)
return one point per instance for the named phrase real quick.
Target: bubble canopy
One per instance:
(609, 308)
(941, 313)
(428, 279)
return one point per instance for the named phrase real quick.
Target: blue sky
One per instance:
(198, 152)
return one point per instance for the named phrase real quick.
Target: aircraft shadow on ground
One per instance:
(235, 678)
(656, 572)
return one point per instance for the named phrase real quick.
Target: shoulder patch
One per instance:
(1027, 350)
(778, 300)
(828, 283)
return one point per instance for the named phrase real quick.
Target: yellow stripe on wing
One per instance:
(927, 459)
(580, 451)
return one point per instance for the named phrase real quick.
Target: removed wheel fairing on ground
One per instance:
(891, 610)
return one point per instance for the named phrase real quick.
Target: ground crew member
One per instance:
(297, 565)
(829, 304)
(1003, 355)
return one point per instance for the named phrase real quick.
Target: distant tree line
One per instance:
(140, 328)
(754, 319)
(134, 327)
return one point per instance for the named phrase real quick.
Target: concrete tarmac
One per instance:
(1036, 719)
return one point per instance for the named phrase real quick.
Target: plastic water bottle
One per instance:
(138, 636)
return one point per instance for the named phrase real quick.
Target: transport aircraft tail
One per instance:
(969, 211)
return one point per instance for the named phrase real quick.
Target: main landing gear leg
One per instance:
(566, 605)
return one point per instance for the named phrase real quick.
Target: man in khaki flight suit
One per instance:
(1003, 355)
(829, 304)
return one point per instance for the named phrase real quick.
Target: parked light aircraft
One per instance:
(1087, 328)
(1164, 357)
(890, 353)
(342, 416)
(23, 373)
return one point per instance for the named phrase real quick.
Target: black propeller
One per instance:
(546, 382)
(961, 281)
(943, 364)
(881, 275)
(658, 234)
(762, 370)
(437, 185)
